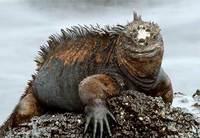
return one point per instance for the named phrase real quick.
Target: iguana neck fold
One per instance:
(143, 71)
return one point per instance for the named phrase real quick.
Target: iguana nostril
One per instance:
(148, 30)
(141, 40)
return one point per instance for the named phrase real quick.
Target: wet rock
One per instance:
(197, 105)
(137, 116)
(196, 95)
(178, 94)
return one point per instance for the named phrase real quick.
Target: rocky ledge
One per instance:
(137, 116)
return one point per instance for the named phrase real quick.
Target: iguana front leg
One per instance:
(163, 87)
(93, 91)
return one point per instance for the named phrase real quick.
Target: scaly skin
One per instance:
(82, 68)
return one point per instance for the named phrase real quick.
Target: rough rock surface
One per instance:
(196, 95)
(137, 116)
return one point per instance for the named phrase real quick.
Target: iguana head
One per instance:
(140, 49)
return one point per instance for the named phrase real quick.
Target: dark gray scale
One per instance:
(58, 86)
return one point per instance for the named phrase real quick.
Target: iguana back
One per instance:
(68, 59)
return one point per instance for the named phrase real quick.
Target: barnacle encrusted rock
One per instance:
(137, 116)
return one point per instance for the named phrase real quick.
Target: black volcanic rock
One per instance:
(137, 116)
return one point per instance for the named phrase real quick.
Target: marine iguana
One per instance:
(79, 69)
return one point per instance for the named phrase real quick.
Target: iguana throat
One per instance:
(143, 71)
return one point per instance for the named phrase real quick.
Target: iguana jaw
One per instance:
(141, 63)
(144, 52)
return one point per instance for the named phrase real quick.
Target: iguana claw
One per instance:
(99, 116)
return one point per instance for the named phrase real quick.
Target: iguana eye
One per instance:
(155, 36)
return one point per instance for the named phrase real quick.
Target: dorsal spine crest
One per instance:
(73, 33)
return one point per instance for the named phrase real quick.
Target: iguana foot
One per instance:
(98, 113)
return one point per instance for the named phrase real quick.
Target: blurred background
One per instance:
(26, 24)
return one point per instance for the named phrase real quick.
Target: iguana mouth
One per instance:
(144, 52)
